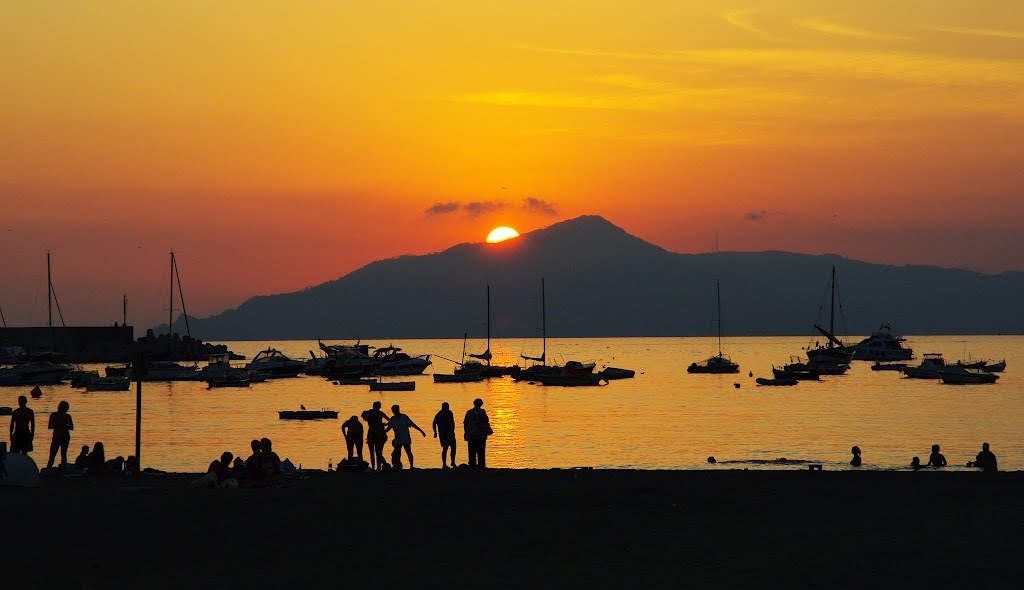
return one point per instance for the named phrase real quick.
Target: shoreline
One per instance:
(499, 528)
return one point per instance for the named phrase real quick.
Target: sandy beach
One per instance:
(507, 529)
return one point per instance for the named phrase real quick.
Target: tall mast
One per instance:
(124, 310)
(543, 322)
(718, 296)
(170, 316)
(49, 295)
(832, 313)
(488, 325)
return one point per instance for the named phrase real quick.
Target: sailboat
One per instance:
(40, 368)
(461, 375)
(834, 350)
(476, 366)
(169, 370)
(718, 363)
(533, 371)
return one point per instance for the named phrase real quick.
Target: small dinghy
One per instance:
(775, 382)
(305, 414)
(230, 380)
(888, 366)
(354, 381)
(393, 386)
(797, 375)
(109, 384)
(995, 367)
(458, 378)
(611, 373)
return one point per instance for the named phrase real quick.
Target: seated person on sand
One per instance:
(936, 459)
(254, 464)
(222, 468)
(131, 466)
(269, 460)
(82, 460)
(856, 457)
(986, 460)
(97, 461)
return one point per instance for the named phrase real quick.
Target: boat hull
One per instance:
(307, 415)
(776, 382)
(396, 386)
(458, 378)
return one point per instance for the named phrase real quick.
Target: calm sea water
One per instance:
(662, 419)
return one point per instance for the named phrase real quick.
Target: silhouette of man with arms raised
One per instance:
(476, 429)
(400, 425)
(444, 424)
(23, 427)
(376, 435)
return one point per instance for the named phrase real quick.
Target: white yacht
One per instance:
(275, 364)
(882, 346)
(928, 369)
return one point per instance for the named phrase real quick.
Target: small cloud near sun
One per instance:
(500, 234)
(474, 208)
(535, 205)
(443, 208)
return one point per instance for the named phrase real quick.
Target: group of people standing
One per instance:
(476, 427)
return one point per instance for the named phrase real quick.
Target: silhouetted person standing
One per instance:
(444, 424)
(476, 428)
(376, 434)
(352, 429)
(61, 425)
(856, 457)
(936, 459)
(400, 425)
(23, 427)
(986, 460)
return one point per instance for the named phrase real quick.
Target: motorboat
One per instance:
(347, 361)
(464, 377)
(881, 345)
(833, 351)
(798, 375)
(928, 369)
(238, 378)
(168, 371)
(995, 367)
(880, 366)
(573, 374)
(962, 375)
(821, 368)
(390, 360)
(275, 364)
(81, 378)
(305, 414)
(613, 373)
(34, 373)
(719, 363)
(109, 384)
(776, 382)
(393, 386)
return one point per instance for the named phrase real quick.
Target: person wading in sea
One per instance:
(376, 435)
(23, 427)
(61, 425)
(477, 427)
(444, 423)
(400, 424)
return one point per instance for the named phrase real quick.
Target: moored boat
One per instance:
(718, 364)
(613, 373)
(881, 345)
(834, 350)
(34, 373)
(880, 366)
(573, 374)
(275, 364)
(458, 378)
(390, 360)
(928, 369)
(962, 375)
(798, 375)
(776, 381)
(393, 386)
(305, 414)
(995, 367)
(109, 384)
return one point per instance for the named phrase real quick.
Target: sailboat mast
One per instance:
(124, 310)
(718, 297)
(170, 315)
(49, 295)
(488, 325)
(832, 312)
(543, 322)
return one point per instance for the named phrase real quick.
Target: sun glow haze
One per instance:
(500, 234)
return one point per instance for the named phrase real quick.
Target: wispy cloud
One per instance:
(475, 208)
(756, 215)
(744, 19)
(443, 208)
(980, 32)
(663, 100)
(831, 28)
(540, 206)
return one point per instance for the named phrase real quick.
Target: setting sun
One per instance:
(500, 234)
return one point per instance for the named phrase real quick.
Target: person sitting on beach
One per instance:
(376, 435)
(61, 425)
(936, 459)
(986, 460)
(352, 430)
(444, 422)
(254, 464)
(856, 457)
(97, 460)
(400, 424)
(222, 467)
(82, 460)
(23, 427)
(269, 460)
(915, 463)
(131, 466)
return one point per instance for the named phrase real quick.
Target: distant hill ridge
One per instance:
(602, 281)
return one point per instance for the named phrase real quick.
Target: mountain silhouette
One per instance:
(602, 281)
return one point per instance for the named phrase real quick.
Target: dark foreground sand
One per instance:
(507, 529)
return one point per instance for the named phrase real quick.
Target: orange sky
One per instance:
(274, 146)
